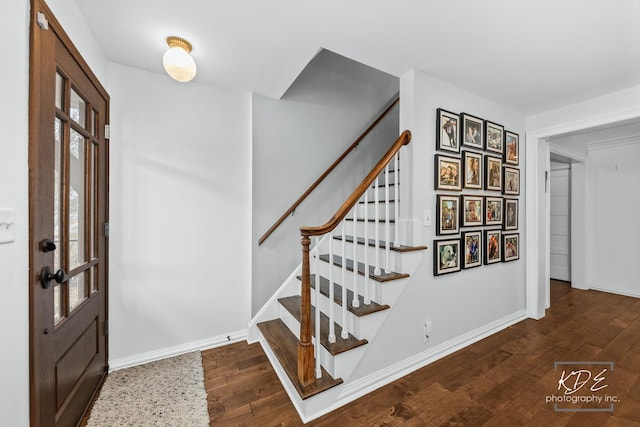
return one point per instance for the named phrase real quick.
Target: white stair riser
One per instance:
(381, 193)
(380, 292)
(395, 258)
(370, 209)
(363, 327)
(338, 366)
(371, 230)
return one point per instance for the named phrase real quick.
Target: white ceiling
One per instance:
(530, 55)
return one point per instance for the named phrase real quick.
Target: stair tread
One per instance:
(371, 220)
(382, 277)
(285, 346)
(362, 310)
(373, 201)
(292, 304)
(382, 244)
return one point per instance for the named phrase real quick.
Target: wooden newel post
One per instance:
(306, 362)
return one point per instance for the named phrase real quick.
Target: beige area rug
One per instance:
(168, 392)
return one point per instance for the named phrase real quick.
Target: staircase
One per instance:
(317, 327)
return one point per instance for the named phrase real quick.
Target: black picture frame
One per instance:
(471, 131)
(493, 137)
(493, 210)
(510, 216)
(472, 249)
(492, 246)
(493, 173)
(448, 209)
(448, 173)
(510, 247)
(446, 256)
(471, 210)
(472, 168)
(447, 131)
(511, 148)
(511, 181)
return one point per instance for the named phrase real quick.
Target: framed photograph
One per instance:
(511, 148)
(447, 131)
(471, 212)
(472, 249)
(447, 173)
(510, 218)
(510, 247)
(511, 181)
(472, 131)
(493, 210)
(494, 137)
(448, 208)
(472, 171)
(492, 173)
(492, 246)
(446, 256)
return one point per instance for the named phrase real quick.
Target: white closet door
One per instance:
(560, 226)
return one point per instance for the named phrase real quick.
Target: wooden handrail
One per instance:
(327, 172)
(306, 355)
(403, 139)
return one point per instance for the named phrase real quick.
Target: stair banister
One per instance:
(306, 362)
(355, 144)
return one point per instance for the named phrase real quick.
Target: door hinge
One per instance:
(106, 229)
(107, 132)
(106, 328)
(43, 23)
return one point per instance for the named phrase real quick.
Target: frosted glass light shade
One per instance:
(179, 64)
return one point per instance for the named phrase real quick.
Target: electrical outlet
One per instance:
(427, 330)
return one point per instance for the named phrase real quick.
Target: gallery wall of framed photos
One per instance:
(477, 184)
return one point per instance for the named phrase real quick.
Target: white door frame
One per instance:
(536, 174)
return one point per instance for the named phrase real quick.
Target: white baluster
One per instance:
(376, 227)
(356, 302)
(387, 222)
(345, 331)
(367, 300)
(317, 321)
(332, 331)
(396, 203)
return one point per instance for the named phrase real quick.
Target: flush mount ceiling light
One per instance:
(177, 62)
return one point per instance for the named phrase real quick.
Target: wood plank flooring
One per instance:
(500, 381)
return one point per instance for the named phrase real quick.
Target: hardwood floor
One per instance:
(502, 380)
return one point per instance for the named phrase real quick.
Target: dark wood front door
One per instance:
(68, 196)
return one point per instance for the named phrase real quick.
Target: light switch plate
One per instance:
(427, 218)
(7, 225)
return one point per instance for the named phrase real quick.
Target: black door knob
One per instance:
(47, 246)
(46, 276)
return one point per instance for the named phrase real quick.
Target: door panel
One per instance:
(560, 224)
(68, 156)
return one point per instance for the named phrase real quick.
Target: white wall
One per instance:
(295, 139)
(14, 193)
(614, 174)
(455, 303)
(180, 212)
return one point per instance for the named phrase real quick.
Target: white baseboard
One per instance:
(358, 388)
(615, 291)
(163, 353)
